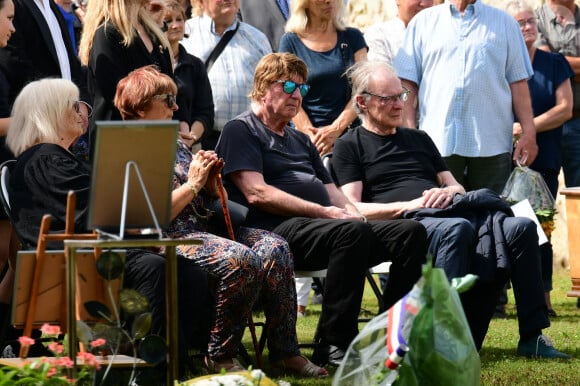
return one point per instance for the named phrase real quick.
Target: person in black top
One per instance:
(8, 239)
(392, 172)
(276, 171)
(118, 37)
(194, 95)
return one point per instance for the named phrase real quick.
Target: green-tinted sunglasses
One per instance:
(288, 86)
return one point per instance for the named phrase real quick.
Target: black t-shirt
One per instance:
(396, 167)
(289, 163)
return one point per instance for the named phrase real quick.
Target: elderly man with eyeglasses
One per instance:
(391, 172)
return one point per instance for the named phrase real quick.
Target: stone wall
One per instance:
(366, 12)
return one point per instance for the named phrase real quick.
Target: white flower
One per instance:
(225, 380)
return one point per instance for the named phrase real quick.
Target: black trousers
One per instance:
(347, 248)
(526, 278)
(145, 273)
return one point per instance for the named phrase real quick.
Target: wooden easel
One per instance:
(44, 237)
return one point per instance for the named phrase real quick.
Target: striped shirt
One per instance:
(232, 75)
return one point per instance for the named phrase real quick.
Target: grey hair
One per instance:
(360, 75)
(516, 6)
(39, 112)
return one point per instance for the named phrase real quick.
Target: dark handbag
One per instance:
(217, 222)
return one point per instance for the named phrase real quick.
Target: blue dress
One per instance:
(550, 70)
(329, 89)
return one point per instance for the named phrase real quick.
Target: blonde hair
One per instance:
(174, 6)
(39, 112)
(122, 14)
(298, 19)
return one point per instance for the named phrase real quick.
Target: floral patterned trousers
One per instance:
(259, 262)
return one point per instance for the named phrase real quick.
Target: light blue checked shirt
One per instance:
(464, 67)
(232, 75)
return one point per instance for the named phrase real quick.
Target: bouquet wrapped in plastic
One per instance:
(525, 183)
(424, 339)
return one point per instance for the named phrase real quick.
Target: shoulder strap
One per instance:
(344, 49)
(218, 49)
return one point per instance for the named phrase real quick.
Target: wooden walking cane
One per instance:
(230, 228)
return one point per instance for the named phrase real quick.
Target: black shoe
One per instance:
(327, 354)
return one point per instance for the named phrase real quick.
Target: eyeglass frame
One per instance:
(390, 99)
(294, 85)
(532, 21)
(77, 107)
(169, 99)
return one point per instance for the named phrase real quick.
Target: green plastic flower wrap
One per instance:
(424, 339)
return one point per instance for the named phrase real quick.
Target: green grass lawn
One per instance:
(499, 364)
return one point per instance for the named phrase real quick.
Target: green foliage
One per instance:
(110, 265)
(545, 215)
(104, 337)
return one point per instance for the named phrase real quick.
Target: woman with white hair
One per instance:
(46, 121)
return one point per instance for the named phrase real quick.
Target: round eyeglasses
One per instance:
(77, 107)
(288, 87)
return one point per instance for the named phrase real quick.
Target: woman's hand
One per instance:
(185, 135)
(324, 139)
(200, 167)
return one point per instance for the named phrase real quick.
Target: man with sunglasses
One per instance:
(276, 171)
(392, 172)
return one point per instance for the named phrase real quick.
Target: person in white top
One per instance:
(385, 38)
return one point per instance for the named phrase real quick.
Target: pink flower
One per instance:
(64, 362)
(51, 372)
(50, 330)
(98, 342)
(25, 341)
(56, 348)
(89, 359)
